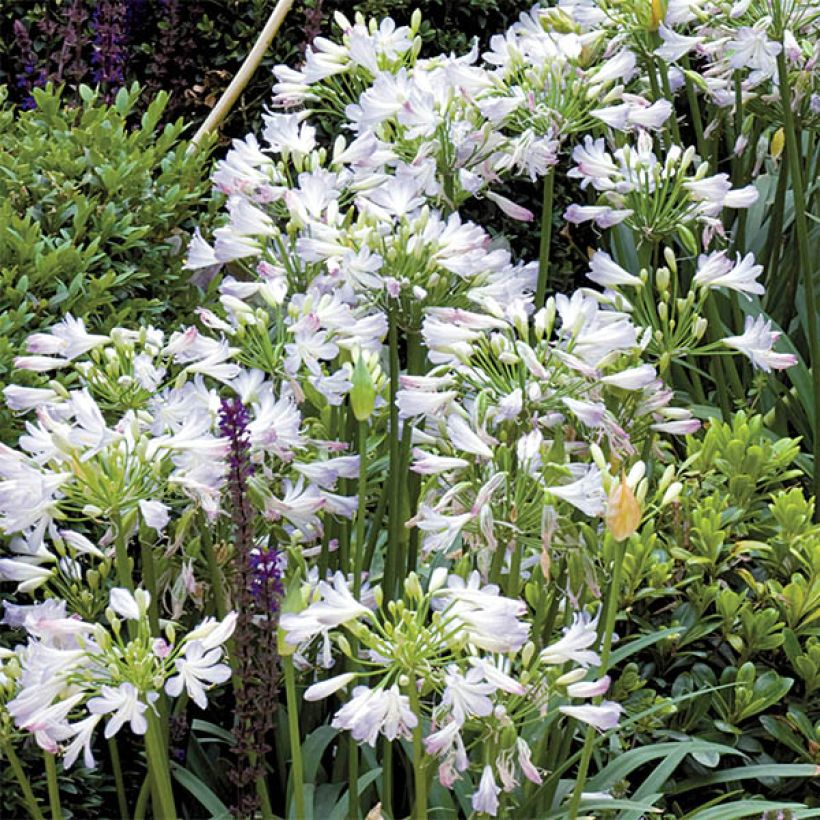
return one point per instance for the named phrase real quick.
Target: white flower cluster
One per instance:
(73, 674)
(465, 647)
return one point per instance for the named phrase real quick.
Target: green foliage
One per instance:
(94, 215)
(735, 566)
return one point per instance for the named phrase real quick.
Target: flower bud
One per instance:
(635, 474)
(669, 258)
(363, 392)
(573, 676)
(527, 652)
(662, 279)
(699, 328)
(412, 587)
(666, 478)
(438, 578)
(598, 457)
(672, 493)
(344, 645)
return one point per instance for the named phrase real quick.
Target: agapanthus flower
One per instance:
(757, 342)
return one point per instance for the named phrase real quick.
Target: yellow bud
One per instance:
(658, 13)
(778, 141)
(623, 512)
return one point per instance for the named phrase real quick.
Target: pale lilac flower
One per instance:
(574, 647)
(751, 48)
(28, 398)
(196, 669)
(589, 689)
(675, 46)
(67, 339)
(212, 633)
(489, 619)
(485, 798)
(155, 514)
(602, 215)
(633, 378)
(757, 342)
(325, 688)
(464, 438)
(374, 711)
(717, 271)
(525, 761)
(603, 717)
(125, 604)
(83, 733)
(466, 695)
(586, 494)
(607, 273)
(124, 701)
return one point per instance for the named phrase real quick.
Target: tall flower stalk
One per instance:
(256, 590)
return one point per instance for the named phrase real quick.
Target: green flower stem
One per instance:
(605, 634)
(119, 782)
(142, 800)
(121, 553)
(722, 368)
(156, 752)
(808, 267)
(667, 92)
(53, 786)
(546, 238)
(295, 739)
(361, 512)
(25, 787)
(774, 240)
(419, 775)
(694, 109)
(394, 504)
(149, 581)
(217, 579)
(356, 571)
(387, 778)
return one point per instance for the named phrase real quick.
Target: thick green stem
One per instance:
(361, 513)
(156, 751)
(605, 637)
(296, 768)
(394, 505)
(419, 775)
(142, 800)
(217, 579)
(667, 92)
(119, 782)
(808, 267)
(121, 554)
(149, 581)
(387, 778)
(356, 571)
(546, 238)
(53, 786)
(22, 780)
(694, 109)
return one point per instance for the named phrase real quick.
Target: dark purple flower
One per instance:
(109, 55)
(257, 589)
